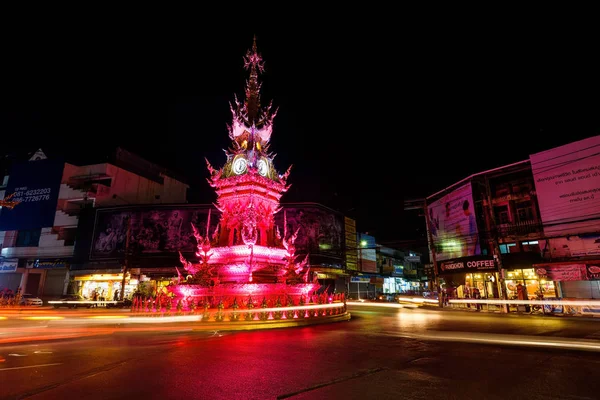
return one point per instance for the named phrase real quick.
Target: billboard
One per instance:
(154, 230)
(573, 246)
(453, 225)
(367, 253)
(350, 244)
(320, 230)
(567, 182)
(35, 185)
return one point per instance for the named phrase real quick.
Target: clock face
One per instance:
(239, 165)
(263, 167)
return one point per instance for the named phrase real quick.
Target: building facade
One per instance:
(38, 235)
(528, 230)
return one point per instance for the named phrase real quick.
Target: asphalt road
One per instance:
(379, 354)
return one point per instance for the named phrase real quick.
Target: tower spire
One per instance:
(254, 62)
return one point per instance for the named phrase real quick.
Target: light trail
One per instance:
(580, 303)
(509, 340)
(30, 366)
(414, 301)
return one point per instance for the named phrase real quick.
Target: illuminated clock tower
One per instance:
(248, 187)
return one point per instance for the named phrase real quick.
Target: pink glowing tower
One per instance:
(247, 254)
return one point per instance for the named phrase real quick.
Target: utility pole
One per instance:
(494, 233)
(126, 260)
(433, 255)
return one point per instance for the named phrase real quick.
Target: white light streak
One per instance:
(30, 366)
(512, 340)
(590, 303)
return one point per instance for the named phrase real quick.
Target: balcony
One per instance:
(520, 229)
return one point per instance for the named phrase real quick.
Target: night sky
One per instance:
(367, 118)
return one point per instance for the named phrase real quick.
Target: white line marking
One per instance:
(30, 366)
(17, 355)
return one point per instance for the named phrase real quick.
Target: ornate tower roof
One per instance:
(250, 132)
(250, 114)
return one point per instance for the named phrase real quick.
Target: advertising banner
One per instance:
(398, 270)
(350, 244)
(574, 246)
(593, 271)
(567, 182)
(367, 254)
(453, 225)
(570, 272)
(156, 230)
(8, 265)
(35, 185)
(468, 265)
(320, 231)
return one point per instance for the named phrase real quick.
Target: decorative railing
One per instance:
(519, 228)
(250, 311)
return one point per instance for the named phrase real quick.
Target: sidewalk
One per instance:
(473, 310)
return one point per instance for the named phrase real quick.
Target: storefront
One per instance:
(106, 284)
(535, 286)
(10, 278)
(334, 279)
(54, 276)
(360, 287)
(468, 277)
(574, 280)
(400, 285)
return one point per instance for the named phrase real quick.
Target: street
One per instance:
(381, 353)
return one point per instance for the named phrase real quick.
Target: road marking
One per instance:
(30, 366)
(42, 352)
(17, 355)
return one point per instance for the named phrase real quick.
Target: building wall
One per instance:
(83, 187)
(128, 187)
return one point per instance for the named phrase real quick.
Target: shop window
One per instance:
(483, 282)
(533, 285)
(30, 238)
(531, 246)
(508, 248)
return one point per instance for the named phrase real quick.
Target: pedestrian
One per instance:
(477, 296)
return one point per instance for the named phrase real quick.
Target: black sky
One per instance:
(367, 117)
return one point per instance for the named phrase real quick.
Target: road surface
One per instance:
(380, 354)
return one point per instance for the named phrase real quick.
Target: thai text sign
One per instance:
(35, 185)
(569, 272)
(567, 181)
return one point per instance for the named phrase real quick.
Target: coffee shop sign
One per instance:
(474, 263)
